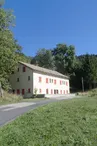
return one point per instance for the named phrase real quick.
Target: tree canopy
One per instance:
(10, 50)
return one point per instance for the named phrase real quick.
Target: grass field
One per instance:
(66, 123)
(13, 98)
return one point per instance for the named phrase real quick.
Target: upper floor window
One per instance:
(24, 69)
(18, 80)
(12, 72)
(28, 78)
(60, 82)
(54, 81)
(66, 83)
(40, 79)
(18, 69)
(46, 80)
(50, 80)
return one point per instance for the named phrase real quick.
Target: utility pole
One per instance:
(82, 84)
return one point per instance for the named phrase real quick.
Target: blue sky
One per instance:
(45, 23)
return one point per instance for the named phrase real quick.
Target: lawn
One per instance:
(65, 123)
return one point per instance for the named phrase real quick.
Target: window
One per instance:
(47, 91)
(60, 82)
(18, 80)
(46, 80)
(60, 91)
(28, 78)
(24, 69)
(57, 91)
(18, 69)
(40, 91)
(54, 81)
(40, 79)
(54, 91)
(64, 91)
(66, 83)
(18, 91)
(12, 72)
(13, 91)
(50, 80)
(29, 91)
(67, 91)
(51, 91)
(23, 91)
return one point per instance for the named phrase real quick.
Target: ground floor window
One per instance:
(18, 91)
(60, 91)
(40, 91)
(51, 91)
(29, 91)
(13, 91)
(56, 91)
(47, 92)
(23, 91)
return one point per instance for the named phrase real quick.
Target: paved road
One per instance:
(11, 111)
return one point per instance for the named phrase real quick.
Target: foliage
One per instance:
(10, 98)
(86, 68)
(35, 92)
(10, 50)
(44, 59)
(57, 124)
(64, 58)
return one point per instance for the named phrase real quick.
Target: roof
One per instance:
(44, 70)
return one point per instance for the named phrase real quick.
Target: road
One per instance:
(10, 112)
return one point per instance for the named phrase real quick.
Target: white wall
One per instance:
(23, 80)
(43, 85)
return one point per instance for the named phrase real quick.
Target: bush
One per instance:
(8, 97)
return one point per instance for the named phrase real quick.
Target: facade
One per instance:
(30, 79)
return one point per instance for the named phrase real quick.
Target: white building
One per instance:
(30, 79)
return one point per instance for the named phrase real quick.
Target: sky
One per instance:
(45, 23)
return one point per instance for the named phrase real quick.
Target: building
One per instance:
(30, 79)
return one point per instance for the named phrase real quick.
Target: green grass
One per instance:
(66, 123)
(10, 98)
(13, 98)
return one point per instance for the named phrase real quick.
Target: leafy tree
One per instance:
(44, 59)
(64, 58)
(86, 68)
(8, 47)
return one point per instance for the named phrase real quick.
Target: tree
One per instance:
(86, 68)
(44, 58)
(8, 47)
(64, 58)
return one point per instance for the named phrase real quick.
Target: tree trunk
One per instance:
(1, 91)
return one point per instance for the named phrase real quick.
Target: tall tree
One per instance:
(64, 58)
(86, 68)
(8, 47)
(44, 58)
